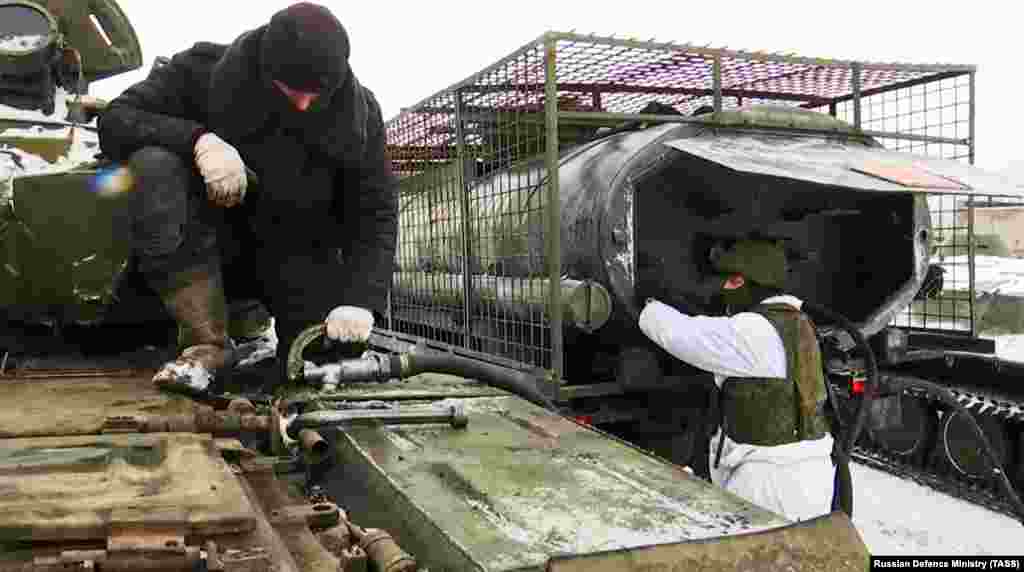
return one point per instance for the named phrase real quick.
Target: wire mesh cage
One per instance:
(479, 258)
(932, 118)
(471, 263)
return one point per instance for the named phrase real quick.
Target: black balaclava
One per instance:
(763, 266)
(744, 297)
(306, 48)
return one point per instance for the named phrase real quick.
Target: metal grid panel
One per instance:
(948, 304)
(472, 163)
(622, 76)
(473, 216)
(940, 108)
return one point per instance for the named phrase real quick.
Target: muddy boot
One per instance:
(195, 298)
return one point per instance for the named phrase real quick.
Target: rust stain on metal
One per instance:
(909, 175)
(543, 426)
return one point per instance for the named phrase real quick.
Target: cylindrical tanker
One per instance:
(641, 195)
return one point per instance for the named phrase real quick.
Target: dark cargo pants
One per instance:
(175, 228)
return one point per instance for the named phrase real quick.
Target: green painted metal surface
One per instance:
(64, 241)
(64, 247)
(520, 485)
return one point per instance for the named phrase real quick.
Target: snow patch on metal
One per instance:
(60, 111)
(257, 349)
(190, 374)
(553, 522)
(18, 43)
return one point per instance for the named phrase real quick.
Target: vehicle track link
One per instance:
(981, 491)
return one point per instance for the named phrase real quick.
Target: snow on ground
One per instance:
(899, 517)
(993, 274)
(1010, 347)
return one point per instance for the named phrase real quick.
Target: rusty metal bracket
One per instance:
(320, 515)
(132, 547)
(286, 524)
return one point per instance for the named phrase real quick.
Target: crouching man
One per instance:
(313, 238)
(773, 447)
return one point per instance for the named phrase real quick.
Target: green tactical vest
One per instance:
(777, 411)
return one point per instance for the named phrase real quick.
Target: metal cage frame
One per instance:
(560, 83)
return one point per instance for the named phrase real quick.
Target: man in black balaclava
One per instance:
(311, 235)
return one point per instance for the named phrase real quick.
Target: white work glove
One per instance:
(222, 169)
(349, 324)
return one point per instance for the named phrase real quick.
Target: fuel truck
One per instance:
(538, 191)
(409, 454)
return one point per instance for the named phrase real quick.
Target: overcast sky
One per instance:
(407, 50)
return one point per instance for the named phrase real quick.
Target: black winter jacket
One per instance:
(325, 180)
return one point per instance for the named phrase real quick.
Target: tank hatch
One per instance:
(50, 44)
(520, 484)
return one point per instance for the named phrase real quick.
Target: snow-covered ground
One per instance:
(898, 517)
(993, 274)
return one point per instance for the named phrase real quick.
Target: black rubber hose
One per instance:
(943, 394)
(940, 392)
(871, 384)
(843, 497)
(510, 380)
(413, 363)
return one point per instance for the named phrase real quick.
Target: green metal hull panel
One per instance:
(64, 247)
(520, 485)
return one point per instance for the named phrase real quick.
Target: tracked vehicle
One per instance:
(403, 458)
(537, 191)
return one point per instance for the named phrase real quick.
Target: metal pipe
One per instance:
(654, 117)
(855, 81)
(971, 270)
(914, 137)
(204, 420)
(382, 550)
(585, 305)
(463, 190)
(452, 415)
(371, 367)
(554, 239)
(716, 79)
(314, 446)
(972, 110)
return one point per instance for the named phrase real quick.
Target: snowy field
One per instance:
(898, 517)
